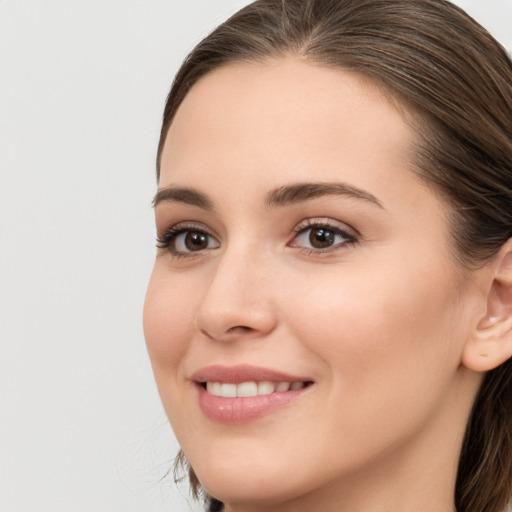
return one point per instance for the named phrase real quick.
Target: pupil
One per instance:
(321, 238)
(195, 241)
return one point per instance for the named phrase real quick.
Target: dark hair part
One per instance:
(456, 81)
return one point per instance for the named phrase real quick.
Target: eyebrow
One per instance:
(297, 193)
(282, 196)
(183, 195)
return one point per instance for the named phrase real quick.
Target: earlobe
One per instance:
(491, 345)
(491, 342)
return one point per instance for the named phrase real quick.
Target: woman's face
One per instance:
(302, 259)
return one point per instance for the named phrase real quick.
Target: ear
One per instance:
(491, 342)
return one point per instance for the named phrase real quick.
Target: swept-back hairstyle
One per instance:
(455, 82)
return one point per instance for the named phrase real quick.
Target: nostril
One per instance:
(228, 323)
(240, 328)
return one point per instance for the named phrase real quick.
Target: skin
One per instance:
(382, 325)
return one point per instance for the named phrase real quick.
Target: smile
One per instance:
(243, 393)
(251, 388)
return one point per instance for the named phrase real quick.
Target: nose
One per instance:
(237, 303)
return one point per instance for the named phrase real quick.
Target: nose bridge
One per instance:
(237, 301)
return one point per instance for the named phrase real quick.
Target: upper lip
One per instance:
(243, 373)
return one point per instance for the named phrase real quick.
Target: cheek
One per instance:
(383, 340)
(168, 314)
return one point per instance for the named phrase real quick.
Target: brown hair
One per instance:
(431, 56)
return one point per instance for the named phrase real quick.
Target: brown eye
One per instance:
(183, 241)
(191, 240)
(195, 241)
(321, 238)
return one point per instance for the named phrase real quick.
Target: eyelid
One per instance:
(182, 225)
(166, 241)
(169, 235)
(350, 234)
(312, 222)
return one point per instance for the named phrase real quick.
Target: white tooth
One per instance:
(247, 389)
(266, 388)
(214, 388)
(296, 385)
(283, 386)
(228, 390)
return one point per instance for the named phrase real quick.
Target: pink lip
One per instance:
(243, 409)
(243, 373)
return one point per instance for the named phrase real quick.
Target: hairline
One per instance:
(411, 113)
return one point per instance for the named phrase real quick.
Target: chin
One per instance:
(246, 490)
(244, 483)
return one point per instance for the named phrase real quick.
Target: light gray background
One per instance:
(82, 87)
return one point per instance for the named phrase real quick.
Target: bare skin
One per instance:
(353, 285)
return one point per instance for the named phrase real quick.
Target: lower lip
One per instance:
(234, 411)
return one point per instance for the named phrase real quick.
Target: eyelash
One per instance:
(307, 225)
(168, 239)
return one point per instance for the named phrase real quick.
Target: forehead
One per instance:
(273, 107)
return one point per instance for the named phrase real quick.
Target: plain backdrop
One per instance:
(82, 88)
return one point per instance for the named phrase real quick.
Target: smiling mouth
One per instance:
(235, 395)
(252, 388)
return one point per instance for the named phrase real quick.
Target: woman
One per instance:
(329, 317)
